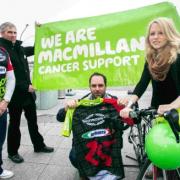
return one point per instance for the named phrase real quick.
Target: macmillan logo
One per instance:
(96, 133)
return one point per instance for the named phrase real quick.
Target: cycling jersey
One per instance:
(87, 102)
(97, 136)
(5, 66)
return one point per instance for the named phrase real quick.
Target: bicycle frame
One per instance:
(137, 138)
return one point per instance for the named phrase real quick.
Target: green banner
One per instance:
(68, 52)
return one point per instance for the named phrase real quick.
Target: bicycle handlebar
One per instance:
(171, 116)
(136, 113)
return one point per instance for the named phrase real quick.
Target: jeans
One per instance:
(3, 127)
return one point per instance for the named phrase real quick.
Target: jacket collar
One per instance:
(91, 97)
(9, 43)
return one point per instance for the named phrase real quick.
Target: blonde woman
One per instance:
(162, 68)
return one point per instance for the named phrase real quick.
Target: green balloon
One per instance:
(162, 148)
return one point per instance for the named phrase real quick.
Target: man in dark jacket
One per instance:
(23, 98)
(97, 85)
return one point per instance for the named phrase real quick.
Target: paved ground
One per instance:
(56, 165)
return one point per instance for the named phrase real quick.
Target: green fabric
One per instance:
(90, 102)
(68, 52)
(69, 115)
(67, 127)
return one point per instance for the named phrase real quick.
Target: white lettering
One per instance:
(49, 42)
(69, 67)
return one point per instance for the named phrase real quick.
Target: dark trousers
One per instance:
(3, 127)
(72, 157)
(14, 134)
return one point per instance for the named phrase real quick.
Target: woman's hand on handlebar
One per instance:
(128, 101)
(163, 108)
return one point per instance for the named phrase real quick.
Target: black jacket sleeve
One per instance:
(61, 115)
(21, 66)
(175, 71)
(178, 74)
(29, 51)
(143, 82)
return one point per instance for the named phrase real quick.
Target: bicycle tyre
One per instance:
(143, 170)
(146, 167)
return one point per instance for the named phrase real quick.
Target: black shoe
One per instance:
(16, 158)
(45, 149)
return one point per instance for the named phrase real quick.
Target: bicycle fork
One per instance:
(155, 173)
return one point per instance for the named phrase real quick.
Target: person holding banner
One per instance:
(7, 87)
(23, 98)
(162, 68)
(97, 84)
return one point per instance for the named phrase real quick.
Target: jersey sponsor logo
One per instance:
(2, 87)
(96, 133)
(2, 57)
(94, 119)
(2, 70)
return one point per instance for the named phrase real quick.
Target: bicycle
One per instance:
(138, 131)
(145, 116)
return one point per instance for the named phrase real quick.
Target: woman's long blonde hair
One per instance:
(159, 61)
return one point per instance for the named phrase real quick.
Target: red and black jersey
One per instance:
(97, 137)
(5, 65)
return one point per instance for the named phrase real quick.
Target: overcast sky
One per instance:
(22, 12)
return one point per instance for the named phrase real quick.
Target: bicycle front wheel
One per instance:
(148, 171)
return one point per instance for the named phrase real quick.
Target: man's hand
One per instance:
(3, 106)
(31, 89)
(71, 104)
(123, 101)
(37, 24)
